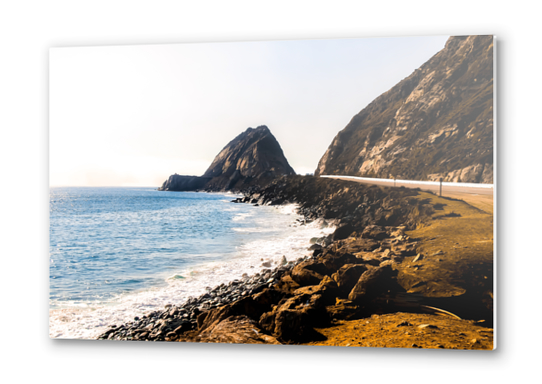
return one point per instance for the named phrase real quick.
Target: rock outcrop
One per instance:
(184, 183)
(253, 158)
(438, 122)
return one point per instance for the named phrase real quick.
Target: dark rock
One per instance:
(184, 183)
(342, 310)
(171, 335)
(267, 321)
(185, 326)
(343, 232)
(292, 325)
(404, 324)
(294, 319)
(236, 329)
(309, 272)
(361, 245)
(374, 232)
(404, 249)
(254, 157)
(375, 282)
(347, 276)
(286, 284)
(329, 283)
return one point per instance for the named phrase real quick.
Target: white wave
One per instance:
(89, 321)
(243, 216)
(288, 209)
(253, 230)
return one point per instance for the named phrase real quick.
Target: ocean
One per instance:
(117, 253)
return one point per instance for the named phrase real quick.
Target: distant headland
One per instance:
(254, 157)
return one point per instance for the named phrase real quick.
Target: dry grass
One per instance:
(455, 271)
(457, 249)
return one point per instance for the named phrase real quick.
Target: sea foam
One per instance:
(291, 240)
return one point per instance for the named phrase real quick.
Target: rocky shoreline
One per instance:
(175, 320)
(351, 274)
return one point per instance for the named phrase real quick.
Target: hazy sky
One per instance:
(133, 115)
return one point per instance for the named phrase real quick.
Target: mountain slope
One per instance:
(438, 122)
(254, 156)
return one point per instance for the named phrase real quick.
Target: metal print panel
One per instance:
(310, 192)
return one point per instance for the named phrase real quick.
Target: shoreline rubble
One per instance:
(350, 274)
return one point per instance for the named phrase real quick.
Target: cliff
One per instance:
(253, 157)
(438, 122)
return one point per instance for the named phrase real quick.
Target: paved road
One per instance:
(480, 197)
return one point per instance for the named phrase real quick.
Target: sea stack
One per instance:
(436, 123)
(253, 157)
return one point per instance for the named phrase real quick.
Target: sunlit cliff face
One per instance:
(438, 122)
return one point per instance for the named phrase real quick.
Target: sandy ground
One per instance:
(406, 330)
(480, 201)
(455, 270)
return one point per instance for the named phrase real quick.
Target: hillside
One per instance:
(438, 122)
(254, 156)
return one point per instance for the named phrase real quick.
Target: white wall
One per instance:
(29, 28)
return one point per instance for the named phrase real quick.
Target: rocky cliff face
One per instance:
(438, 122)
(253, 157)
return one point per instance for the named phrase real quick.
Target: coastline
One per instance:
(353, 274)
(274, 232)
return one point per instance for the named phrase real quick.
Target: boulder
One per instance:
(236, 330)
(375, 282)
(342, 310)
(329, 283)
(404, 249)
(315, 247)
(374, 232)
(294, 320)
(286, 284)
(335, 260)
(251, 306)
(360, 245)
(347, 276)
(343, 232)
(326, 289)
(309, 272)
(369, 258)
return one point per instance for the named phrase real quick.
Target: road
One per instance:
(479, 197)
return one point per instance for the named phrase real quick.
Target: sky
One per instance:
(133, 115)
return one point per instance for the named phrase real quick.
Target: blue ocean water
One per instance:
(115, 252)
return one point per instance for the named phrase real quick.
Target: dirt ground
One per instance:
(456, 249)
(483, 202)
(407, 330)
(453, 269)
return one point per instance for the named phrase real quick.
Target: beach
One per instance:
(380, 269)
(120, 253)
